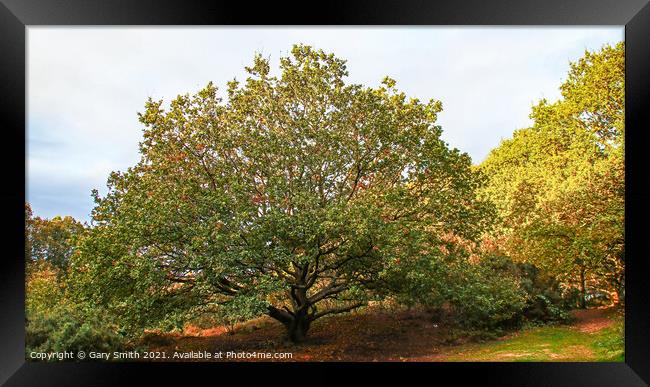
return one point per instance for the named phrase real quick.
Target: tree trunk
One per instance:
(297, 329)
(583, 289)
(297, 322)
(298, 317)
(620, 289)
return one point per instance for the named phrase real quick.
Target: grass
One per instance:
(610, 345)
(549, 343)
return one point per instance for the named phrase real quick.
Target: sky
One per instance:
(85, 85)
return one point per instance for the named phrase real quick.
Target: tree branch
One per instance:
(282, 316)
(336, 310)
(328, 291)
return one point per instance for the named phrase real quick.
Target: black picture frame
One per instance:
(16, 15)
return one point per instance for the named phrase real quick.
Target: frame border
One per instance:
(16, 15)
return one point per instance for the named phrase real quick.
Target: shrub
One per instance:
(62, 329)
(485, 295)
(492, 294)
(482, 298)
(54, 324)
(545, 301)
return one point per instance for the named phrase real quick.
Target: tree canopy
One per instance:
(559, 185)
(295, 197)
(50, 240)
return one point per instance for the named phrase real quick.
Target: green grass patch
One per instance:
(609, 345)
(549, 343)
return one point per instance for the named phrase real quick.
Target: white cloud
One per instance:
(85, 85)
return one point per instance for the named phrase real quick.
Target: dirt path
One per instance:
(593, 320)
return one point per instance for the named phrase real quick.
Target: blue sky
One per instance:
(86, 84)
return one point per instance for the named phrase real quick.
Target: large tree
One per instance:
(293, 198)
(560, 184)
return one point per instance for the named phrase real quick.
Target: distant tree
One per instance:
(291, 199)
(560, 184)
(28, 225)
(50, 240)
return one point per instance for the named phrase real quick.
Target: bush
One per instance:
(545, 302)
(62, 329)
(54, 324)
(485, 299)
(479, 296)
(492, 294)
